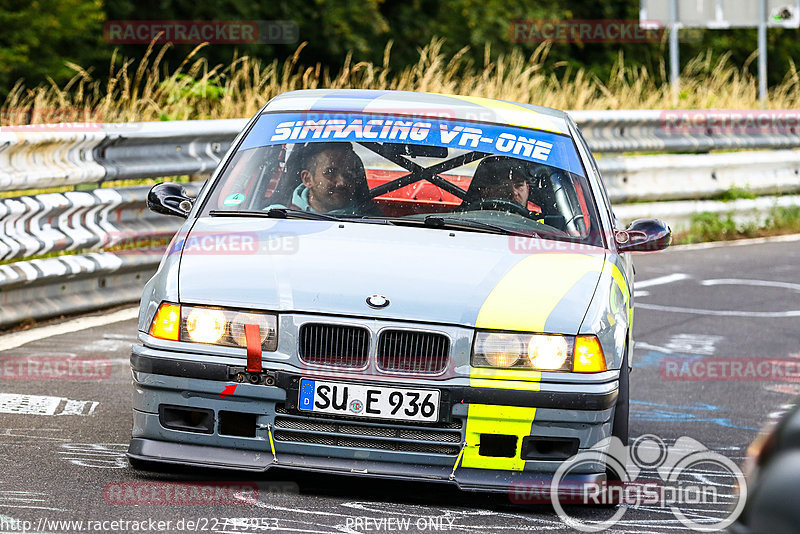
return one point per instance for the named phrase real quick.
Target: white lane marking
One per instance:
(746, 282)
(648, 346)
(32, 508)
(126, 337)
(661, 280)
(95, 455)
(44, 405)
(638, 293)
(31, 434)
(11, 341)
(728, 313)
(73, 407)
(693, 343)
(786, 389)
(721, 313)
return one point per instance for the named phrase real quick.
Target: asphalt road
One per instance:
(707, 305)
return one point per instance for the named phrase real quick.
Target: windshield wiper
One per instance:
(277, 213)
(436, 221)
(367, 219)
(431, 221)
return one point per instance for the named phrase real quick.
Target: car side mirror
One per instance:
(169, 198)
(644, 235)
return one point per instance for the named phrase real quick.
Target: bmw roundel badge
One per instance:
(377, 301)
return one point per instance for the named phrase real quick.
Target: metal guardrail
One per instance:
(171, 148)
(93, 153)
(700, 176)
(688, 131)
(92, 228)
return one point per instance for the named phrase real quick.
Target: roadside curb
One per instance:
(737, 242)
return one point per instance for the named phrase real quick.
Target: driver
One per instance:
(501, 178)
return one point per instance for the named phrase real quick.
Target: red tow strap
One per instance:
(252, 334)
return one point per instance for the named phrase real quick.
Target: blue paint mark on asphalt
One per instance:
(673, 413)
(653, 358)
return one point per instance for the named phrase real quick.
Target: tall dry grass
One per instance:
(197, 90)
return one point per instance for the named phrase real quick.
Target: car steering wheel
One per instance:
(503, 204)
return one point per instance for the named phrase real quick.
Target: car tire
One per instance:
(619, 426)
(622, 408)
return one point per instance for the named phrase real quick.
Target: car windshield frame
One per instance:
(571, 162)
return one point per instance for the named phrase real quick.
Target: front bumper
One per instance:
(238, 437)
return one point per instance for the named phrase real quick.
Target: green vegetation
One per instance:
(51, 49)
(785, 218)
(148, 90)
(735, 193)
(707, 226)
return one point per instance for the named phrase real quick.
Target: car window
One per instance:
(368, 166)
(601, 185)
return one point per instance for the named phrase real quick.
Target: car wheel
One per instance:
(622, 408)
(619, 426)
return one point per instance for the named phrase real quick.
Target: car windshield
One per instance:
(403, 170)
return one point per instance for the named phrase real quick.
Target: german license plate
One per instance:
(380, 402)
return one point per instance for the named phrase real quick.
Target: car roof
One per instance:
(411, 103)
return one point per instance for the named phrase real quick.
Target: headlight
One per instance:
(213, 326)
(236, 327)
(500, 350)
(540, 352)
(548, 352)
(205, 325)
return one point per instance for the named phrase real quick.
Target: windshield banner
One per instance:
(532, 145)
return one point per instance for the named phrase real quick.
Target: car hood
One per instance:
(428, 275)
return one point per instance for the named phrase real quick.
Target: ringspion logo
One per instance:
(691, 478)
